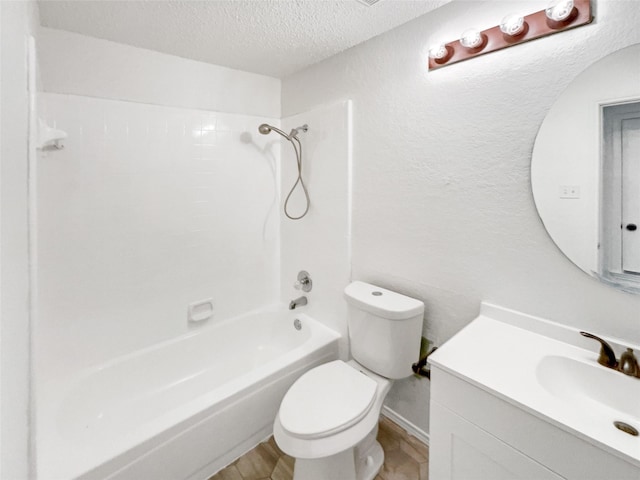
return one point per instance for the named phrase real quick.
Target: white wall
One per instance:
(81, 65)
(18, 20)
(320, 242)
(442, 205)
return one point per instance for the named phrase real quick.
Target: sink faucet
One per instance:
(607, 356)
(628, 362)
(298, 302)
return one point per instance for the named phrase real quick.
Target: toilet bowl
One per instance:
(328, 420)
(313, 424)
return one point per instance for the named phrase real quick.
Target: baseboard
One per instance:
(406, 424)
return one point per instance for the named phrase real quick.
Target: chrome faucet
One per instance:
(628, 362)
(298, 302)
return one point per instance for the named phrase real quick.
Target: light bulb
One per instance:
(559, 10)
(512, 24)
(471, 38)
(438, 51)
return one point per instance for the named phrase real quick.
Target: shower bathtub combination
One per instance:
(182, 409)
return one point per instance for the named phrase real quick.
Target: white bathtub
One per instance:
(179, 410)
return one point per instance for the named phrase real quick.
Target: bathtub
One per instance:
(182, 409)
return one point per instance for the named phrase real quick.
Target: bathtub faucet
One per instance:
(298, 302)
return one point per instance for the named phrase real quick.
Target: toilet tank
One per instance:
(384, 329)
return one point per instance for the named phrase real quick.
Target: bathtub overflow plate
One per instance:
(297, 324)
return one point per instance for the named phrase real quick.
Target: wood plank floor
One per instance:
(405, 458)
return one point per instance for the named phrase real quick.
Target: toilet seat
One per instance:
(326, 400)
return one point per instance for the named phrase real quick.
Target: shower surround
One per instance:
(154, 205)
(146, 210)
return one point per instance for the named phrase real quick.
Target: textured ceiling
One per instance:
(271, 37)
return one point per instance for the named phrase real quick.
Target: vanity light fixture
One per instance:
(438, 52)
(472, 39)
(513, 25)
(559, 16)
(559, 10)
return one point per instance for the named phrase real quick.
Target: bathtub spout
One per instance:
(298, 302)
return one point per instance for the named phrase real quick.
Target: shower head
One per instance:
(264, 129)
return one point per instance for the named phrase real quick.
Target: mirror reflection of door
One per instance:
(619, 234)
(631, 194)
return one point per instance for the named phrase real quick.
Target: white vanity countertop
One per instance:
(497, 354)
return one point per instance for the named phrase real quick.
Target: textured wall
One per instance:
(81, 65)
(146, 210)
(442, 205)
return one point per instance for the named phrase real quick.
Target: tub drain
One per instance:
(626, 428)
(297, 324)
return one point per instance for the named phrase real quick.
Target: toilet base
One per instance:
(371, 464)
(343, 465)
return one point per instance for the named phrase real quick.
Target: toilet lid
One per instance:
(327, 400)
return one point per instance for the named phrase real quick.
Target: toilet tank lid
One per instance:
(382, 302)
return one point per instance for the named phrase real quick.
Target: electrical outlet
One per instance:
(569, 191)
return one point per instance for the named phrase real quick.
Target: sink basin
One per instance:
(591, 386)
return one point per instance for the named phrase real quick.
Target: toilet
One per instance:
(328, 420)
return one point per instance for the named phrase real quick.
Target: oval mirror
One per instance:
(585, 170)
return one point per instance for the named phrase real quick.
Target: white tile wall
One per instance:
(146, 210)
(320, 243)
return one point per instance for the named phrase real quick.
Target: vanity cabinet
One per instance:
(465, 451)
(475, 435)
